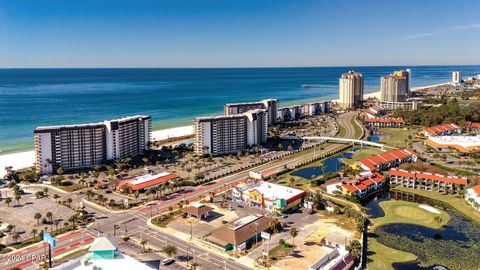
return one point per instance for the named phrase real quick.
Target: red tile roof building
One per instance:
(388, 159)
(427, 181)
(473, 126)
(148, 181)
(445, 129)
(364, 185)
(384, 122)
(374, 111)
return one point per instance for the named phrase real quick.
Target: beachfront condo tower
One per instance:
(351, 90)
(78, 147)
(271, 105)
(230, 134)
(456, 77)
(407, 74)
(393, 88)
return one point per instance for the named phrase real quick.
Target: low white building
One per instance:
(473, 197)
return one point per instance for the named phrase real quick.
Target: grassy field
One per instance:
(396, 136)
(456, 171)
(365, 152)
(411, 213)
(358, 129)
(458, 203)
(71, 188)
(382, 257)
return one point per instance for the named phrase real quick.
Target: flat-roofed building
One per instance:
(463, 144)
(456, 77)
(271, 105)
(75, 147)
(405, 74)
(393, 88)
(406, 105)
(257, 126)
(351, 90)
(472, 196)
(220, 135)
(271, 197)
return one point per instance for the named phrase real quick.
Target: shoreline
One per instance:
(23, 159)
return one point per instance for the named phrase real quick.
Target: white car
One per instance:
(167, 261)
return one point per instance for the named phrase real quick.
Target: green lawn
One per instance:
(365, 152)
(457, 171)
(381, 256)
(71, 188)
(411, 213)
(396, 136)
(358, 129)
(458, 203)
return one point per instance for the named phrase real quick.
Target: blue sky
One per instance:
(240, 33)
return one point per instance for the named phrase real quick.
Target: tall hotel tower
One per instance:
(393, 88)
(75, 147)
(351, 90)
(271, 105)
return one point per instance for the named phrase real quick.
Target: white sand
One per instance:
(429, 208)
(26, 159)
(369, 95)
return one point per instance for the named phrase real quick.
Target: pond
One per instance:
(375, 137)
(331, 164)
(455, 246)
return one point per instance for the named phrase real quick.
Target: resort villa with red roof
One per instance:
(364, 185)
(427, 181)
(144, 182)
(387, 160)
(473, 197)
(384, 122)
(446, 129)
(472, 126)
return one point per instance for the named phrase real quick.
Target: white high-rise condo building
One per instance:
(456, 77)
(229, 134)
(270, 104)
(393, 88)
(351, 90)
(75, 147)
(407, 74)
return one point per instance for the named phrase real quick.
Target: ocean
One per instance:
(173, 97)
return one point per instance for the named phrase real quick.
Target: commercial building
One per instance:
(379, 122)
(229, 134)
(463, 144)
(269, 196)
(407, 105)
(456, 77)
(427, 181)
(271, 105)
(239, 234)
(198, 211)
(364, 185)
(334, 254)
(393, 88)
(387, 160)
(75, 147)
(441, 130)
(472, 196)
(351, 90)
(145, 182)
(374, 111)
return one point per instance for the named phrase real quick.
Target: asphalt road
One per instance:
(133, 222)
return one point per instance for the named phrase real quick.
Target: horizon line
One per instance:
(241, 67)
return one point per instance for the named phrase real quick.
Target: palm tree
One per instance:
(15, 237)
(8, 201)
(45, 191)
(37, 216)
(69, 201)
(170, 250)
(49, 215)
(143, 243)
(17, 198)
(55, 197)
(34, 233)
(293, 233)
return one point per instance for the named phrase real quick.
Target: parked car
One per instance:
(167, 261)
